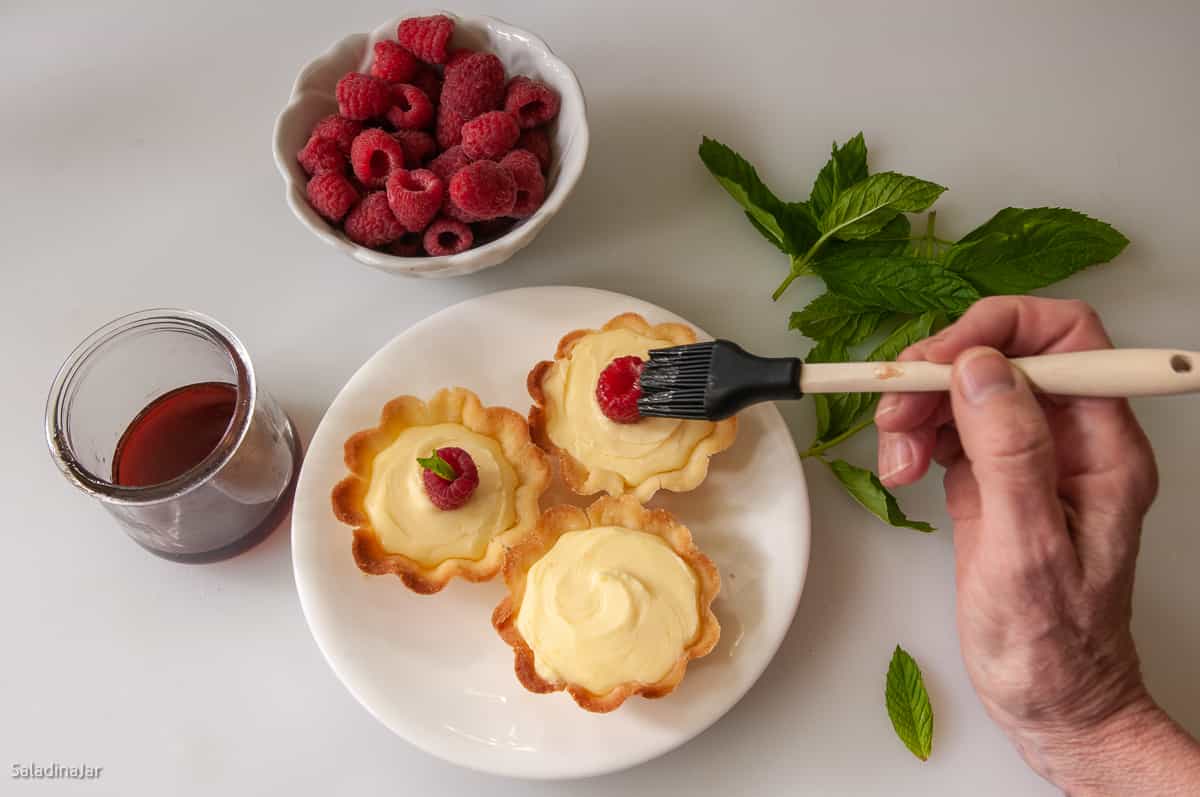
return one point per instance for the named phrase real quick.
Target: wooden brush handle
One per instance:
(1107, 372)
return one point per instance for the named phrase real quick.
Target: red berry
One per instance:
(537, 142)
(449, 127)
(484, 189)
(490, 135)
(393, 63)
(415, 197)
(531, 101)
(451, 494)
(449, 162)
(374, 155)
(412, 111)
(331, 195)
(426, 37)
(338, 129)
(531, 186)
(362, 96)
(453, 211)
(447, 237)
(475, 85)
(418, 145)
(456, 57)
(321, 155)
(618, 389)
(428, 81)
(407, 245)
(371, 222)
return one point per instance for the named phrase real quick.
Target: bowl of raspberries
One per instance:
(434, 146)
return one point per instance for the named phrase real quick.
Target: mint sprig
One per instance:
(439, 466)
(887, 285)
(908, 704)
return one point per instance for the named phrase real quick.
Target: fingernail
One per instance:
(887, 405)
(895, 455)
(984, 374)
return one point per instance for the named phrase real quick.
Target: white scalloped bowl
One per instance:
(522, 53)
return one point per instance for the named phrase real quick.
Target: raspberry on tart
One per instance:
(425, 532)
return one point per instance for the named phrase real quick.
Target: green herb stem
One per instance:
(820, 448)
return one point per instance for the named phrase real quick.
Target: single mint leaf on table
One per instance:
(438, 465)
(837, 318)
(865, 487)
(1020, 250)
(908, 704)
(739, 178)
(846, 166)
(863, 209)
(901, 283)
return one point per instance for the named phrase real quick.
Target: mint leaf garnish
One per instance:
(865, 487)
(908, 704)
(438, 465)
(1019, 250)
(897, 282)
(865, 208)
(846, 166)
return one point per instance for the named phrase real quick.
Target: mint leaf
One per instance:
(1019, 250)
(838, 318)
(438, 465)
(799, 225)
(907, 334)
(739, 178)
(865, 487)
(846, 166)
(837, 413)
(908, 704)
(897, 282)
(865, 208)
(894, 239)
(778, 243)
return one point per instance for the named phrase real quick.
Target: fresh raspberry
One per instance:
(618, 389)
(475, 85)
(331, 195)
(531, 186)
(338, 129)
(393, 63)
(447, 237)
(531, 101)
(449, 162)
(490, 230)
(418, 145)
(371, 222)
(412, 111)
(321, 155)
(407, 245)
(374, 155)
(426, 37)
(428, 81)
(453, 211)
(415, 197)
(449, 127)
(490, 135)
(361, 96)
(456, 57)
(537, 142)
(447, 494)
(484, 189)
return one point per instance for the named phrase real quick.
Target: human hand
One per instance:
(1047, 496)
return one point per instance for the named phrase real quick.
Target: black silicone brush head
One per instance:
(713, 381)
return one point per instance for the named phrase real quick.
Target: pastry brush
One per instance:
(714, 380)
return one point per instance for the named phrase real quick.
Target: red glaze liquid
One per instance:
(174, 433)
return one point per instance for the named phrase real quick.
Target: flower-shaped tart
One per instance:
(607, 603)
(440, 489)
(597, 453)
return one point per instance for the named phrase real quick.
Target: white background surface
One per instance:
(136, 170)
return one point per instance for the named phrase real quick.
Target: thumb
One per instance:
(1007, 439)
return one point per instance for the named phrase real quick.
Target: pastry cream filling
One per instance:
(575, 422)
(406, 520)
(608, 605)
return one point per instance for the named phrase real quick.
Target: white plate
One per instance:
(432, 668)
